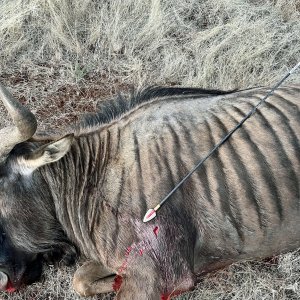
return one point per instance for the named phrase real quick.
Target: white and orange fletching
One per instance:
(151, 214)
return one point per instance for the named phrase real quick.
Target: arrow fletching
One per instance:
(151, 214)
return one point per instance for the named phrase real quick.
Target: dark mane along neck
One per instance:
(111, 109)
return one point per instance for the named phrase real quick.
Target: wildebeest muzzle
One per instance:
(17, 268)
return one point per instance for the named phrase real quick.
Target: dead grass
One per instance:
(61, 57)
(221, 44)
(269, 280)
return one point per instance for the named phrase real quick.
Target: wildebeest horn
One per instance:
(24, 123)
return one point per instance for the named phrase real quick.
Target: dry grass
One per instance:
(221, 43)
(61, 56)
(275, 279)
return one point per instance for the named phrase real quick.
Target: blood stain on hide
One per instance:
(156, 230)
(10, 288)
(128, 250)
(117, 283)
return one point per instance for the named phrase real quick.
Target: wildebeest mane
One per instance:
(111, 109)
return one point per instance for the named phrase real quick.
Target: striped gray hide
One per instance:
(90, 189)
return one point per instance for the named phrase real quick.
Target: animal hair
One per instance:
(112, 109)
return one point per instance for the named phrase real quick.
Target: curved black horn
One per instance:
(24, 123)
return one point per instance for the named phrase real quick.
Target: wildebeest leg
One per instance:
(93, 278)
(138, 288)
(140, 281)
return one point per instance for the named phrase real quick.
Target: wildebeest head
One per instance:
(20, 259)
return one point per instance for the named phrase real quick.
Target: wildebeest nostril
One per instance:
(3, 281)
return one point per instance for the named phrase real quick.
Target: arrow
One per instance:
(151, 213)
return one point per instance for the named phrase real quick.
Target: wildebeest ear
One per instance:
(46, 154)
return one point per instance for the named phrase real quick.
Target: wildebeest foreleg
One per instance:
(140, 281)
(93, 278)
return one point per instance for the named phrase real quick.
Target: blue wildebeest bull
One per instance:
(91, 188)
